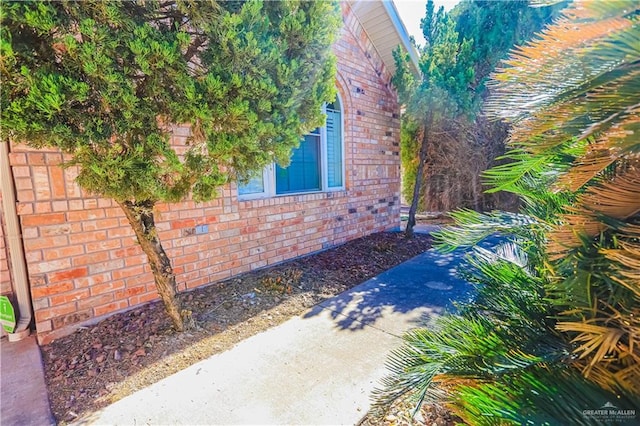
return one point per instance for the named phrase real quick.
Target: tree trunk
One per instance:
(140, 216)
(411, 222)
(476, 193)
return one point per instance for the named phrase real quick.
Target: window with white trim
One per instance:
(316, 165)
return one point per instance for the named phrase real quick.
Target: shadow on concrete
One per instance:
(419, 289)
(217, 312)
(316, 369)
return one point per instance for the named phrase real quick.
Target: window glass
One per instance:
(303, 173)
(254, 186)
(316, 165)
(334, 145)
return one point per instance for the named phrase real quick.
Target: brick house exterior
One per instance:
(81, 256)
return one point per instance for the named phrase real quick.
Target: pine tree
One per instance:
(496, 27)
(103, 81)
(468, 147)
(438, 97)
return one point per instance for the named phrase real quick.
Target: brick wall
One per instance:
(82, 257)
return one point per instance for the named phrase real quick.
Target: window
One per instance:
(258, 186)
(303, 173)
(316, 165)
(254, 186)
(335, 165)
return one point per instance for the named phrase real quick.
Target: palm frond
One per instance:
(544, 80)
(459, 348)
(608, 345)
(554, 329)
(472, 227)
(595, 9)
(617, 144)
(593, 338)
(541, 396)
(591, 109)
(504, 330)
(510, 252)
(426, 354)
(618, 198)
(520, 165)
(626, 264)
(507, 292)
(626, 378)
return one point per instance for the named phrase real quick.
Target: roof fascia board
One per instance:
(390, 7)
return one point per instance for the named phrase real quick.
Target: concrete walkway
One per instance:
(319, 368)
(23, 394)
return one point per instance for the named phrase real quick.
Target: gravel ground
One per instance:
(98, 365)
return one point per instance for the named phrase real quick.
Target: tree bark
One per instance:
(411, 222)
(140, 216)
(476, 192)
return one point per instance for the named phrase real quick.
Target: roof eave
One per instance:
(403, 34)
(381, 21)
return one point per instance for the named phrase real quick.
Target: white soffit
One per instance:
(382, 23)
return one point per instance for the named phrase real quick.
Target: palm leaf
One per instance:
(561, 73)
(627, 378)
(616, 144)
(618, 198)
(626, 262)
(592, 337)
(473, 227)
(560, 299)
(522, 164)
(607, 344)
(542, 395)
(593, 109)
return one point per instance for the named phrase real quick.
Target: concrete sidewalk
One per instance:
(319, 368)
(23, 395)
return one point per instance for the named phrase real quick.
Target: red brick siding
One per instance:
(82, 257)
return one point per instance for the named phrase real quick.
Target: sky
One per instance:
(411, 11)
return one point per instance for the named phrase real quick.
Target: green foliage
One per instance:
(468, 145)
(499, 360)
(438, 96)
(108, 82)
(409, 158)
(105, 81)
(496, 27)
(553, 329)
(441, 90)
(577, 137)
(538, 396)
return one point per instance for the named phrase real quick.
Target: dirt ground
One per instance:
(100, 364)
(401, 413)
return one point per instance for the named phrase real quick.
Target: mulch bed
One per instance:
(101, 364)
